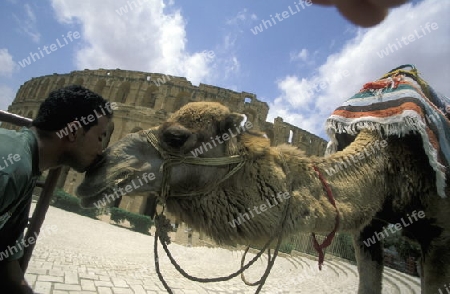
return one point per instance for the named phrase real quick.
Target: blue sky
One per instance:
(214, 42)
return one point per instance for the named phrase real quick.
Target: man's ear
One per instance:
(231, 121)
(73, 129)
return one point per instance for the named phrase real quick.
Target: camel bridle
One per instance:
(171, 159)
(239, 158)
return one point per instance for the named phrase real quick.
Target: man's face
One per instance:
(87, 146)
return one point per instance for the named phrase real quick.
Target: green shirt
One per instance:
(19, 170)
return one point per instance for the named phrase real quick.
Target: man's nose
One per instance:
(100, 149)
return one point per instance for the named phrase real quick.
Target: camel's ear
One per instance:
(231, 121)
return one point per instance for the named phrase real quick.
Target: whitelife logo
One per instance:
(206, 146)
(391, 48)
(394, 228)
(365, 153)
(53, 47)
(131, 5)
(24, 243)
(90, 118)
(10, 160)
(147, 177)
(243, 217)
(280, 16)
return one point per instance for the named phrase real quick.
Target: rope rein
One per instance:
(329, 238)
(163, 225)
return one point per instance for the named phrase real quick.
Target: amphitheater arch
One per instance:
(99, 87)
(271, 136)
(150, 94)
(291, 137)
(30, 93)
(123, 92)
(181, 99)
(20, 96)
(60, 83)
(79, 82)
(251, 114)
(43, 89)
(30, 114)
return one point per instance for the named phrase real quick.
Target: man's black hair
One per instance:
(69, 104)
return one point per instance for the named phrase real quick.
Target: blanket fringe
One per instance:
(411, 123)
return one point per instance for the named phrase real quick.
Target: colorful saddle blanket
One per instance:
(397, 104)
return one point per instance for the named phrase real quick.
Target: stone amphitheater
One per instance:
(83, 263)
(147, 99)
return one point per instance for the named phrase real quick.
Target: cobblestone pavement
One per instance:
(82, 255)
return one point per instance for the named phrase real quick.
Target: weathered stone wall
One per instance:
(147, 99)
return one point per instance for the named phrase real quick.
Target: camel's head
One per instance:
(128, 167)
(204, 129)
(134, 163)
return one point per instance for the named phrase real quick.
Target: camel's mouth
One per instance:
(97, 164)
(92, 190)
(127, 168)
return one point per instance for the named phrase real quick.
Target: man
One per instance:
(69, 129)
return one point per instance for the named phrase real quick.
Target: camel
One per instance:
(385, 180)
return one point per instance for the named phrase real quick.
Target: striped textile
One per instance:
(397, 104)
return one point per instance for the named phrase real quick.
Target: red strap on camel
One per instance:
(319, 247)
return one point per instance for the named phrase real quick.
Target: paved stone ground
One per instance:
(88, 256)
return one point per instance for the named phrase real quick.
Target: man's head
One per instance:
(79, 118)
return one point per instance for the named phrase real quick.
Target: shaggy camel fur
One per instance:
(387, 183)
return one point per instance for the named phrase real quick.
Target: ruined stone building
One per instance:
(147, 99)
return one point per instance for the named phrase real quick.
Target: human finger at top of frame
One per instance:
(362, 12)
(323, 2)
(387, 3)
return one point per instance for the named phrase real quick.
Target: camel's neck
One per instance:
(252, 204)
(354, 176)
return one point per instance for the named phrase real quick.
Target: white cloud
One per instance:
(242, 17)
(304, 57)
(232, 66)
(7, 64)
(143, 37)
(27, 24)
(308, 101)
(8, 95)
(301, 55)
